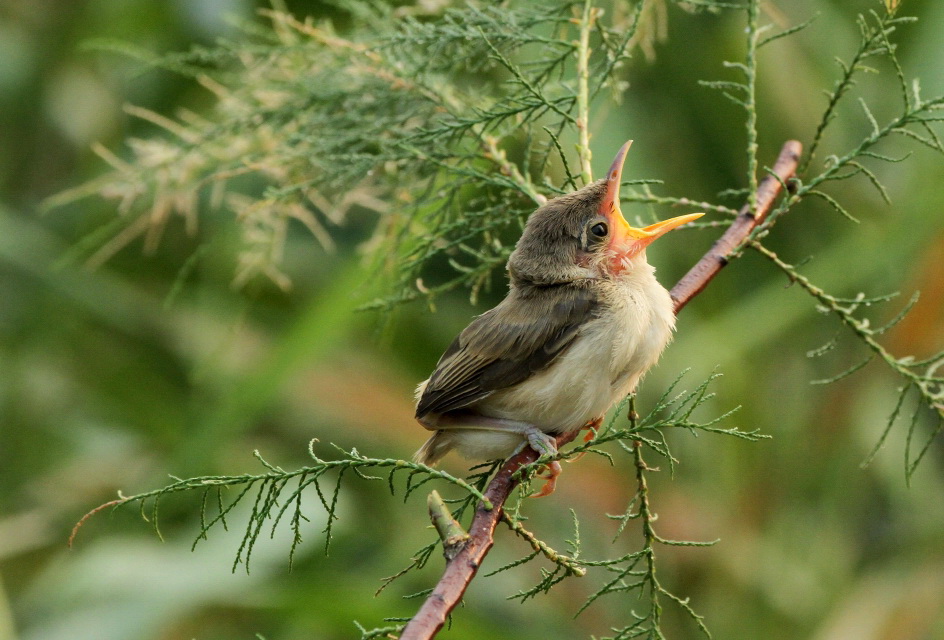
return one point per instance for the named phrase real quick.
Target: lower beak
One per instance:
(625, 240)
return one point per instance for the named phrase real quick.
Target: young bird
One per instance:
(583, 320)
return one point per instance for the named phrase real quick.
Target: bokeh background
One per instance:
(115, 378)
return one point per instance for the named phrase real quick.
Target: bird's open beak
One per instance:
(625, 240)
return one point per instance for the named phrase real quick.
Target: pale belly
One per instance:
(600, 368)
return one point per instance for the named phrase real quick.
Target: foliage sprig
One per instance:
(451, 130)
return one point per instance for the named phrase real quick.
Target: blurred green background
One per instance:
(107, 382)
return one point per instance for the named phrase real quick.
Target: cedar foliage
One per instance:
(452, 124)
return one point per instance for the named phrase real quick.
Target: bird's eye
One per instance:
(599, 230)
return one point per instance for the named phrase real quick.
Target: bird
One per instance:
(583, 320)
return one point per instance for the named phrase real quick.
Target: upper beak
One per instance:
(625, 240)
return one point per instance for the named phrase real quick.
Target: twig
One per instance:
(461, 570)
(566, 562)
(450, 531)
(84, 519)
(928, 386)
(508, 168)
(583, 91)
(750, 102)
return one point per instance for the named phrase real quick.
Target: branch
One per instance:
(462, 568)
(769, 188)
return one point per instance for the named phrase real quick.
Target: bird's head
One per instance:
(584, 234)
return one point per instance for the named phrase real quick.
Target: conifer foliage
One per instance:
(452, 124)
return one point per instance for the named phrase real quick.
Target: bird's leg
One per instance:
(545, 445)
(542, 443)
(473, 421)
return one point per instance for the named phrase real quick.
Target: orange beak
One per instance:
(627, 241)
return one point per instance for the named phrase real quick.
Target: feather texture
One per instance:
(579, 365)
(504, 346)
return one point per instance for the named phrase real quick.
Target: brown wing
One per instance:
(504, 346)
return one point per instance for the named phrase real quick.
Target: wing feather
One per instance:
(506, 345)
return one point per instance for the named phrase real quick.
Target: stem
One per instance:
(566, 562)
(650, 536)
(645, 513)
(750, 70)
(451, 533)
(642, 489)
(648, 532)
(583, 92)
(508, 168)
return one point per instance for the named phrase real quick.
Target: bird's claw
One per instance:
(542, 443)
(551, 471)
(545, 445)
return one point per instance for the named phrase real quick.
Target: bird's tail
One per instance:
(438, 445)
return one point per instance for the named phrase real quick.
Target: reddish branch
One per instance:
(708, 267)
(463, 567)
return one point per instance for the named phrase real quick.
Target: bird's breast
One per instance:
(613, 350)
(642, 321)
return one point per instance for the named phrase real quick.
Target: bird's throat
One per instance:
(620, 261)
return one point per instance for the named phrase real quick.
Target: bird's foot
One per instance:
(545, 445)
(551, 471)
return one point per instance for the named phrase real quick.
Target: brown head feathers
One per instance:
(548, 251)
